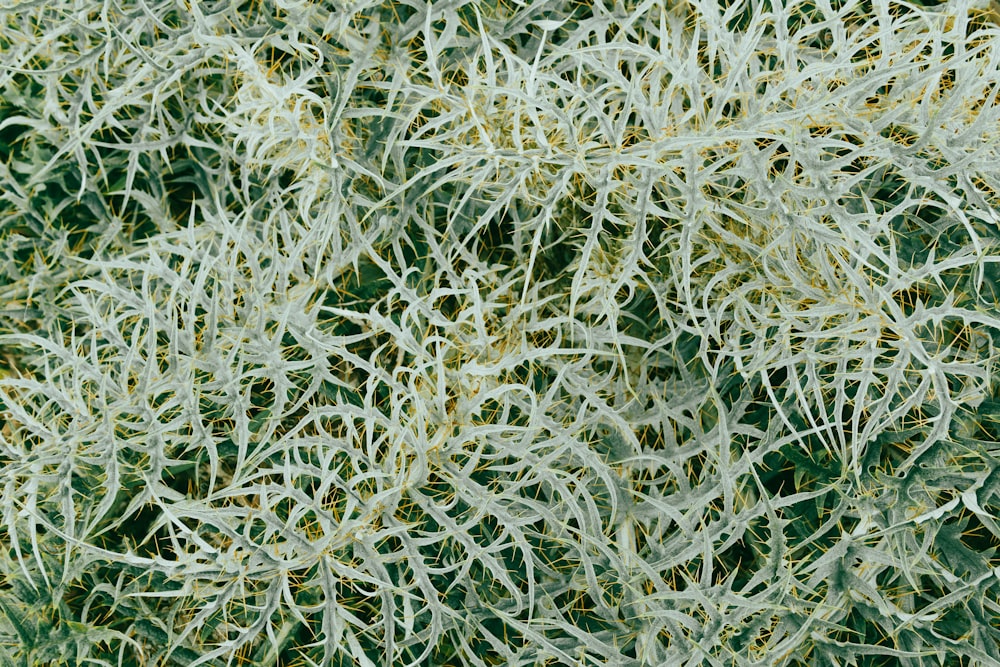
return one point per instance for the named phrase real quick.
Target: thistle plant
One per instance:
(499, 333)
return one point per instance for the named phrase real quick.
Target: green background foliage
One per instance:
(499, 333)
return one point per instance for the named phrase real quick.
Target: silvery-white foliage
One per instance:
(499, 333)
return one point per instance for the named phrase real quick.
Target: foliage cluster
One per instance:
(390, 332)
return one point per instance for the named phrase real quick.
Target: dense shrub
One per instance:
(499, 333)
